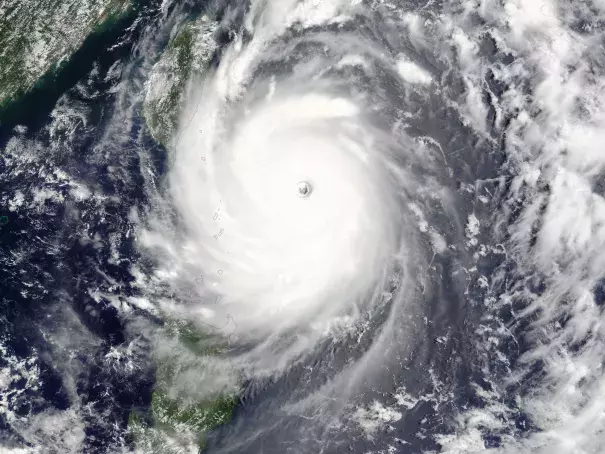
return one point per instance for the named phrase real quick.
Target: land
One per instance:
(187, 54)
(38, 36)
(191, 396)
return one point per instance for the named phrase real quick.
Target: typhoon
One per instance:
(289, 265)
(303, 226)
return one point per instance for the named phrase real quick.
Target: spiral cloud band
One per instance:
(292, 191)
(274, 258)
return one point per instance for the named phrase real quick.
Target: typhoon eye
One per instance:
(304, 189)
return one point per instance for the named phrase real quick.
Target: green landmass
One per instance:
(189, 52)
(191, 396)
(38, 36)
(186, 402)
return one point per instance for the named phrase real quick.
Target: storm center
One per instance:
(304, 189)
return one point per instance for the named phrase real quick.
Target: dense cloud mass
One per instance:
(290, 265)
